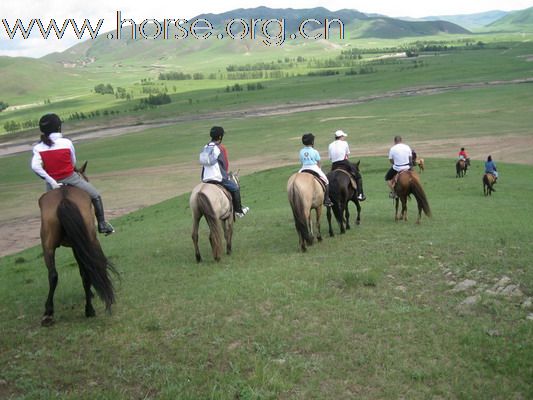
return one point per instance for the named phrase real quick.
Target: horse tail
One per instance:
(298, 211)
(215, 236)
(420, 195)
(93, 264)
(338, 198)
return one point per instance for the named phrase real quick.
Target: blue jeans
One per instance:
(230, 185)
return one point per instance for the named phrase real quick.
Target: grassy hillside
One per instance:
(515, 21)
(469, 21)
(369, 314)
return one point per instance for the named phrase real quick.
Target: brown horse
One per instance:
(67, 219)
(212, 201)
(420, 163)
(305, 194)
(488, 184)
(341, 191)
(408, 183)
(460, 168)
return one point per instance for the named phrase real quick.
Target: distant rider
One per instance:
(310, 159)
(400, 157)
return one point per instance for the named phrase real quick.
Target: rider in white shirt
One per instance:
(400, 157)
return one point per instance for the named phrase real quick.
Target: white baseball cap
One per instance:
(340, 133)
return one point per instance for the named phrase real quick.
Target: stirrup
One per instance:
(106, 228)
(243, 212)
(361, 197)
(393, 195)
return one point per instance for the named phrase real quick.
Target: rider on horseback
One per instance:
(338, 154)
(400, 157)
(490, 168)
(310, 159)
(219, 170)
(54, 160)
(463, 155)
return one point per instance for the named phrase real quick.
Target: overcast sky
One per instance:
(160, 9)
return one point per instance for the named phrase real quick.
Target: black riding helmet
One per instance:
(216, 133)
(308, 139)
(50, 123)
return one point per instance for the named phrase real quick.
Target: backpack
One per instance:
(207, 156)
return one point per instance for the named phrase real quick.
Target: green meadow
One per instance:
(377, 313)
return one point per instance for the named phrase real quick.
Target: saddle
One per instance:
(317, 177)
(352, 179)
(224, 190)
(397, 176)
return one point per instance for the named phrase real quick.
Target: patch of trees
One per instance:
(104, 89)
(13, 126)
(249, 86)
(3, 105)
(326, 72)
(180, 76)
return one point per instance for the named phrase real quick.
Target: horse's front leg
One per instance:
(49, 259)
(194, 235)
(318, 214)
(328, 214)
(228, 233)
(396, 201)
(358, 207)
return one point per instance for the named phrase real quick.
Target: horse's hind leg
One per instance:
(228, 234)
(49, 259)
(318, 214)
(194, 236)
(89, 309)
(328, 214)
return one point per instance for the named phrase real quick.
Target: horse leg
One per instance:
(318, 214)
(404, 209)
(89, 309)
(328, 214)
(49, 259)
(347, 215)
(195, 224)
(358, 207)
(396, 208)
(228, 233)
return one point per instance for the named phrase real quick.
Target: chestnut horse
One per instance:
(212, 201)
(67, 219)
(305, 194)
(408, 182)
(488, 184)
(420, 163)
(341, 191)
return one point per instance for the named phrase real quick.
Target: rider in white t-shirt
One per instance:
(400, 157)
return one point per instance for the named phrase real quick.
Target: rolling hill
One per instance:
(356, 24)
(468, 21)
(515, 21)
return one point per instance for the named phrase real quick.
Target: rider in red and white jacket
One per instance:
(54, 160)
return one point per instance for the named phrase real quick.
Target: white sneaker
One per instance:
(244, 212)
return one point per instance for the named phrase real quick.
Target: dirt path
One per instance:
(160, 183)
(20, 146)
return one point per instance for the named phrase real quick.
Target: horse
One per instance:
(420, 163)
(408, 182)
(67, 219)
(341, 191)
(305, 194)
(488, 184)
(460, 168)
(213, 202)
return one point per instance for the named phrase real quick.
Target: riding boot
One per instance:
(327, 200)
(103, 226)
(238, 209)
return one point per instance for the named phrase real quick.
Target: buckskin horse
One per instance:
(213, 201)
(342, 189)
(407, 183)
(488, 184)
(67, 219)
(305, 194)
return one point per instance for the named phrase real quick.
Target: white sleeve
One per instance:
(37, 167)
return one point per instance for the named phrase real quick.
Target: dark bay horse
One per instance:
(461, 167)
(305, 194)
(212, 201)
(408, 182)
(67, 219)
(488, 184)
(341, 191)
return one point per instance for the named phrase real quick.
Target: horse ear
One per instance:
(82, 169)
(357, 163)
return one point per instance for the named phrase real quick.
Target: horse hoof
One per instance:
(90, 313)
(47, 320)
(198, 259)
(319, 238)
(357, 222)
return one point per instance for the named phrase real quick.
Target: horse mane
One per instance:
(88, 253)
(420, 195)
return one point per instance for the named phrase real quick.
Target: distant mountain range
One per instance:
(522, 20)
(468, 21)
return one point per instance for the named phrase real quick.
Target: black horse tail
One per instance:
(93, 264)
(300, 220)
(337, 198)
(420, 195)
(215, 235)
